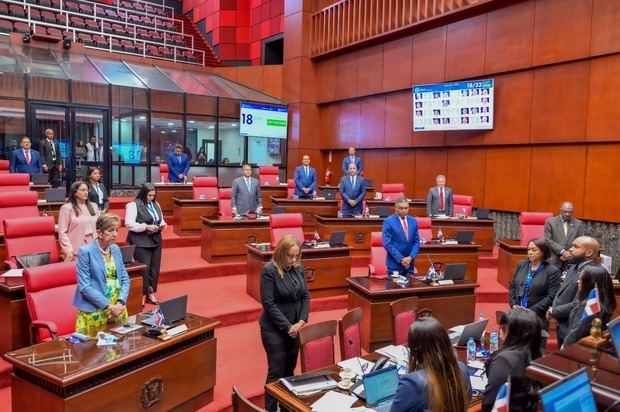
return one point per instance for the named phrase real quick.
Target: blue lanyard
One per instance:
(528, 282)
(152, 212)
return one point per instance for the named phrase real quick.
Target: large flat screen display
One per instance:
(262, 120)
(453, 106)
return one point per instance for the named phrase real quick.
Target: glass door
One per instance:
(55, 118)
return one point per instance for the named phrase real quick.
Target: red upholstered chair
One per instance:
(49, 293)
(463, 205)
(18, 204)
(392, 191)
(223, 202)
(163, 173)
(377, 267)
(284, 224)
(205, 187)
(403, 315)
(28, 235)
(242, 404)
(532, 224)
(350, 334)
(317, 345)
(5, 165)
(425, 228)
(269, 175)
(13, 182)
(290, 186)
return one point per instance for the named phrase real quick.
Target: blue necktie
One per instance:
(179, 157)
(306, 171)
(249, 185)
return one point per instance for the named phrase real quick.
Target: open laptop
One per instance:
(337, 238)
(472, 330)
(55, 195)
(127, 252)
(380, 388)
(455, 271)
(329, 194)
(173, 310)
(39, 178)
(571, 394)
(464, 237)
(614, 330)
(383, 211)
(483, 213)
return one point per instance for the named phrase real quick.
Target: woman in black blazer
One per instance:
(535, 282)
(96, 190)
(286, 304)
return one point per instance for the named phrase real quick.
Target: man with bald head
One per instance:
(583, 252)
(560, 231)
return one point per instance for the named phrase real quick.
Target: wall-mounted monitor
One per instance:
(453, 106)
(263, 120)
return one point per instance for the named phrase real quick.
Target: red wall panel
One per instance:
(465, 173)
(465, 47)
(428, 164)
(506, 178)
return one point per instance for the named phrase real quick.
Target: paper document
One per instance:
(334, 402)
(13, 273)
(398, 353)
(358, 366)
(478, 383)
(475, 364)
(317, 383)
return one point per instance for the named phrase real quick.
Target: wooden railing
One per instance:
(351, 22)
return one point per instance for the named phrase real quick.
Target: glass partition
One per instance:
(78, 67)
(41, 63)
(232, 145)
(200, 139)
(153, 78)
(266, 151)
(185, 81)
(216, 87)
(246, 92)
(117, 73)
(166, 132)
(12, 126)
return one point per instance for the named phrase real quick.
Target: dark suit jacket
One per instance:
(285, 300)
(19, 165)
(396, 244)
(580, 328)
(543, 288)
(92, 196)
(501, 364)
(45, 149)
(347, 161)
(432, 201)
(175, 168)
(302, 181)
(348, 192)
(243, 200)
(557, 240)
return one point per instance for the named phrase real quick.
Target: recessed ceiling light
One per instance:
(163, 132)
(234, 125)
(192, 121)
(170, 124)
(174, 130)
(211, 127)
(142, 118)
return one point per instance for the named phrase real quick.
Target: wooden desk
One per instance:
(167, 191)
(187, 214)
(326, 270)
(137, 374)
(603, 370)
(309, 208)
(50, 209)
(484, 230)
(357, 230)
(14, 312)
(269, 191)
(40, 189)
(451, 304)
(417, 207)
(510, 252)
(224, 239)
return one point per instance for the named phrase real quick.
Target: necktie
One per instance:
(27, 155)
(53, 150)
(306, 170)
(441, 205)
(249, 185)
(353, 182)
(405, 227)
(565, 224)
(179, 157)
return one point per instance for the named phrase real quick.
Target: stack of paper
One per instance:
(397, 353)
(358, 366)
(309, 385)
(334, 402)
(13, 273)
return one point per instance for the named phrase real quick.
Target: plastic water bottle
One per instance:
(440, 235)
(316, 236)
(471, 350)
(481, 317)
(494, 341)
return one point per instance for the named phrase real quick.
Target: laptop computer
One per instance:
(127, 252)
(380, 388)
(55, 195)
(383, 211)
(337, 238)
(329, 194)
(277, 210)
(614, 331)
(39, 178)
(369, 182)
(472, 330)
(464, 236)
(173, 310)
(483, 213)
(455, 271)
(571, 394)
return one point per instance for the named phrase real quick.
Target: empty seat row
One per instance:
(7, 26)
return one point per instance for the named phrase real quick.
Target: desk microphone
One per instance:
(362, 366)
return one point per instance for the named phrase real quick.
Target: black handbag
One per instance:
(33, 260)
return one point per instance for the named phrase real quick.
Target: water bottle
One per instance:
(494, 341)
(316, 236)
(481, 317)
(440, 235)
(471, 350)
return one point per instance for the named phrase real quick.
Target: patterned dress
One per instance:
(89, 323)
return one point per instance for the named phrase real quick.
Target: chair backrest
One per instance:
(290, 188)
(463, 205)
(269, 175)
(403, 315)
(392, 191)
(350, 334)
(13, 182)
(223, 202)
(5, 165)
(377, 254)
(49, 296)
(317, 345)
(242, 404)
(532, 224)
(206, 187)
(425, 227)
(18, 204)
(163, 172)
(27, 235)
(284, 224)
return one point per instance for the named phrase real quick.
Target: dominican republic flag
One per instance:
(159, 317)
(593, 306)
(502, 402)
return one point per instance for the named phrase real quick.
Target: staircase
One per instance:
(199, 42)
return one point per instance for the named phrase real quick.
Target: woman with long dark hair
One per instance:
(96, 190)
(145, 221)
(436, 380)
(521, 331)
(579, 324)
(77, 221)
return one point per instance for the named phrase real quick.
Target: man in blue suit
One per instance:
(352, 158)
(178, 165)
(400, 239)
(305, 179)
(353, 191)
(26, 160)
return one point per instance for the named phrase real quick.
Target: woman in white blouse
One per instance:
(96, 190)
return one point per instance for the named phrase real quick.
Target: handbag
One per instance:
(32, 260)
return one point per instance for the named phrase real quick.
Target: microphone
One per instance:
(362, 366)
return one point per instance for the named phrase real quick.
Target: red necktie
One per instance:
(406, 227)
(28, 156)
(441, 208)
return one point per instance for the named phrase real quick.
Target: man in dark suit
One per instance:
(305, 179)
(51, 157)
(25, 160)
(245, 194)
(353, 191)
(400, 239)
(439, 201)
(560, 231)
(584, 251)
(352, 158)
(178, 165)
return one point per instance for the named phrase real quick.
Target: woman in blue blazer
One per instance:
(103, 283)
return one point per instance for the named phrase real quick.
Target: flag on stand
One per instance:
(593, 306)
(502, 402)
(159, 317)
